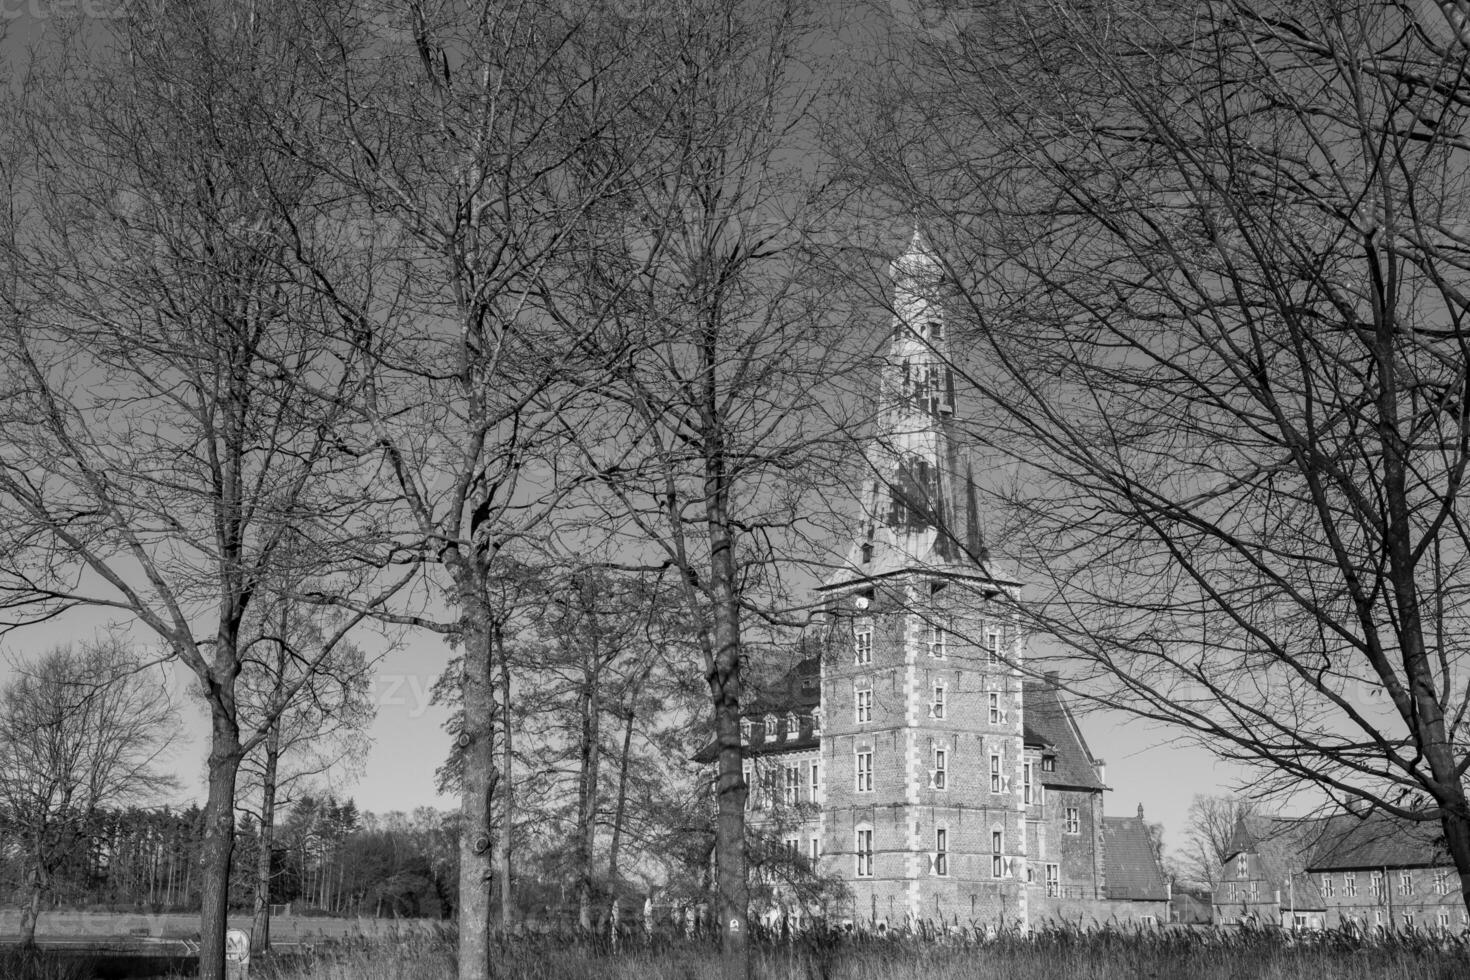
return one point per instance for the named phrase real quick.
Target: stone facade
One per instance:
(949, 786)
(1371, 873)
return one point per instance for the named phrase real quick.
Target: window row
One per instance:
(936, 643)
(783, 785)
(1001, 866)
(774, 732)
(996, 713)
(1327, 883)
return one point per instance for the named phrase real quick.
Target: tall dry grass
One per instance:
(1048, 954)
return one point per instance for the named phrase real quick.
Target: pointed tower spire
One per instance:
(920, 507)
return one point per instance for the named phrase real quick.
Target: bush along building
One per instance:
(1371, 873)
(915, 761)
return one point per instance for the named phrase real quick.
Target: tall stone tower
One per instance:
(926, 802)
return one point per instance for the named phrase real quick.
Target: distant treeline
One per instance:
(327, 858)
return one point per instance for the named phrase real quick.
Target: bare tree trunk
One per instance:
(505, 785)
(622, 802)
(218, 847)
(477, 742)
(724, 684)
(587, 795)
(260, 934)
(31, 909)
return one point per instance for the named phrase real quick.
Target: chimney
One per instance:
(1102, 770)
(1140, 811)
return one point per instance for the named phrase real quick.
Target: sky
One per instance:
(1146, 764)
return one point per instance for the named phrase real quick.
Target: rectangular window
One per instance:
(864, 772)
(937, 706)
(936, 643)
(864, 706)
(1071, 821)
(993, 700)
(939, 777)
(1327, 886)
(1375, 882)
(1441, 883)
(994, 772)
(1444, 922)
(793, 846)
(862, 645)
(1350, 884)
(1242, 867)
(997, 850)
(1053, 881)
(749, 788)
(992, 647)
(1026, 783)
(865, 853)
(1409, 921)
(814, 849)
(792, 795)
(1253, 888)
(1048, 763)
(816, 782)
(941, 851)
(1406, 882)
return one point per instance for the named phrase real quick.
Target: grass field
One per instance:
(1049, 955)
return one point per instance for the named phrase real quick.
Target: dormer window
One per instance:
(816, 721)
(936, 330)
(770, 728)
(1048, 763)
(792, 728)
(745, 729)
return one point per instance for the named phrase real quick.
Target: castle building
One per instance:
(916, 759)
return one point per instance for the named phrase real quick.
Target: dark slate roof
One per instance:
(1048, 724)
(1304, 895)
(1132, 871)
(796, 691)
(1379, 840)
(1276, 849)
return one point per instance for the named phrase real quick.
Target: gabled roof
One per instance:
(1378, 840)
(1130, 866)
(1048, 724)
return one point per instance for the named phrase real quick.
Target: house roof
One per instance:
(1048, 724)
(1130, 866)
(1378, 840)
(1303, 894)
(795, 692)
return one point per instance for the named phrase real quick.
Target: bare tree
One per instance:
(172, 384)
(471, 141)
(1207, 837)
(1210, 266)
(720, 399)
(321, 728)
(81, 728)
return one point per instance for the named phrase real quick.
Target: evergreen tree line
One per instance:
(327, 858)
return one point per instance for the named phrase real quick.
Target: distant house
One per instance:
(1263, 881)
(1131, 868)
(1372, 872)
(1381, 872)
